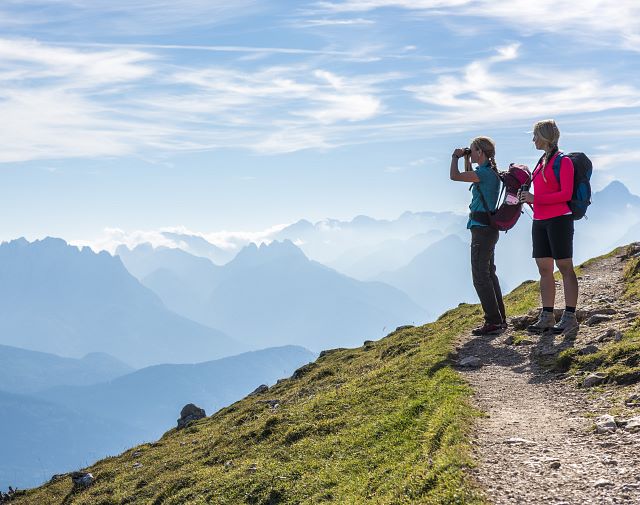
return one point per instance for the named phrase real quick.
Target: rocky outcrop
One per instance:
(190, 413)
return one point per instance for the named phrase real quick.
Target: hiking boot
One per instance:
(567, 324)
(488, 329)
(546, 321)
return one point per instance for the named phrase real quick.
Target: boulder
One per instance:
(597, 319)
(610, 334)
(190, 413)
(606, 424)
(594, 379)
(263, 388)
(82, 479)
(330, 351)
(632, 425)
(521, 322)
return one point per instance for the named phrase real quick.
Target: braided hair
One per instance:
(488, 147)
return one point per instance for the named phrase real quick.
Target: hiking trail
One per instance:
(537, 443)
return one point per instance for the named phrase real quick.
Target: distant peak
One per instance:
(18, 242)
(252, 254)
(52, 242)
(45, 243)
(363, 220)
(616, 187)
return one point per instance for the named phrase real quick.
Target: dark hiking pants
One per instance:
(483, 270)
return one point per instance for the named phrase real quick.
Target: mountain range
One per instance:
(57, 429)
(23, 371)
(273, 295)
(67, 301)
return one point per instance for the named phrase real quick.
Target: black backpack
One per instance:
(582, 169)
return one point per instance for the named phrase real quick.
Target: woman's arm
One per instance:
(454, 171)
(566, 185)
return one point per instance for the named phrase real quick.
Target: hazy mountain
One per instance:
(23, 371)
(198, 246)
(366, 262)
(437, 278)
(151, 398)
(614, 214)
(275, 295)
(329, 241)
(60, 299)
(39, 439)
(183, 282)
(631, 235)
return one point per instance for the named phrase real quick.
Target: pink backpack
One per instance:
(508, 209)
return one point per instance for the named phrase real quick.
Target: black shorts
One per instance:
(553, 238)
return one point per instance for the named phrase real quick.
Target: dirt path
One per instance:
(538, 443)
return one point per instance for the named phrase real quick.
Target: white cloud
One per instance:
(618, 19)
(484, 91)
(228, 240)
(76, 102)
(122, 16)
(80, 68)
(335, 22)
(49, 104)
(613, 160)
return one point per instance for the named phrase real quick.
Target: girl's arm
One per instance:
(566, 185)
(454, 171)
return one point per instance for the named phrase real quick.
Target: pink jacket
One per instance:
(551, 199)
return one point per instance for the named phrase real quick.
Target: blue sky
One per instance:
(209, 115)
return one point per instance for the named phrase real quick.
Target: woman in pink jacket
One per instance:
(552, 230)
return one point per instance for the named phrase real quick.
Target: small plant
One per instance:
(565, 359)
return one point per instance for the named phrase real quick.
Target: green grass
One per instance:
(632, 279)
(620, 361)
(388, 422)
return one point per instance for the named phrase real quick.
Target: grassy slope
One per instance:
(619, 360)
(384, 423)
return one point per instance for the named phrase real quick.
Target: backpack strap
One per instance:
(556, 165)
(484, 202)
(536, 172)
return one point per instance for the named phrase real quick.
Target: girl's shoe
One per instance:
(568, 323)
(546, 321)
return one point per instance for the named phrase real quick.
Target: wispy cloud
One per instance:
(257, 50)
(411, 164)
(485, 91)
(231, 241)
(335, 22)
(122, 16)
(69, 102)
(50, 105)
(617, 19)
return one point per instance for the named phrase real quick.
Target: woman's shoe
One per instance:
(488, 329)
(567, 324)
(546, 321)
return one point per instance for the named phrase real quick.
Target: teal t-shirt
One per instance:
(490, 187)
